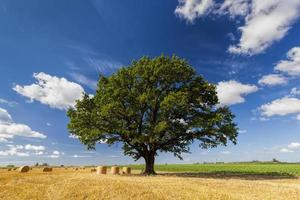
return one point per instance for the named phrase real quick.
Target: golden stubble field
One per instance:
(82, 184)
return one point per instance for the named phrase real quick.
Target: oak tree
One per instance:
(153, 105)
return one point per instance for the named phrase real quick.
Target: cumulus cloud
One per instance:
(14, 150)
(9, 129)
(234, 8)
(5, 117)
(51, 90)
(34, 148)
(294, 145)
(272, 80)
(281, 107)
(55, 154)
(290, 66)
(80, 156)
(233, 92)
(20, 150)
(295, 91)
(3, 140)
(290, 148)
(191, 9)
(298, 117)
(265, 22)
(285, 150)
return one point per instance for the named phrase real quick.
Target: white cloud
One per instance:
(39, 153)
(13, 129)
(103, 66)
(51, 90)
(34, 148)
(298, 117)
(242, 131)
(9, 103)
(285, 150)
(191, 9)
(9, 129)
(281, 107)
(294, 145)
(290, 148)
(234, 8)
(5, 117)
(73, 136)
(233, 92)
(266, 23)
(290, 66)
(295, 91)
(84, 80)
(3, 140)
(225, 152)
(48, 124)
(273, 79)
(14, 150)
(55, 154)
(80, 156)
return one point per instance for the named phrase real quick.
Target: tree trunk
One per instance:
(149, 164)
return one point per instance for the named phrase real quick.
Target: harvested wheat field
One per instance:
(71, 184)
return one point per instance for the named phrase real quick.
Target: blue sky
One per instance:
(52, 51)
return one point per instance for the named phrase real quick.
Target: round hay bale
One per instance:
(9, 169)
(114, 170)
(76, 169)
(126, 170)
(93, 170)
(47, 169)
(15, 168)
(23, 169)
(101, 169)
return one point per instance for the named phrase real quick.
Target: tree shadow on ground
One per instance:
(231, 175)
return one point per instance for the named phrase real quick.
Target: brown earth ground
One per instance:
(82, 184)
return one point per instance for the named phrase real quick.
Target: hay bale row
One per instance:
(113, 170)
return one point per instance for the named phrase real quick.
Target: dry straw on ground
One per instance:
(23, 169)
(101, 169)
(126, 170)
(69, 184)
(114, 170)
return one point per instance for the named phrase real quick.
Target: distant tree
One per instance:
(154, 105)
(45, 164)
(275, 160)
(10, 166)
(36, 164)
